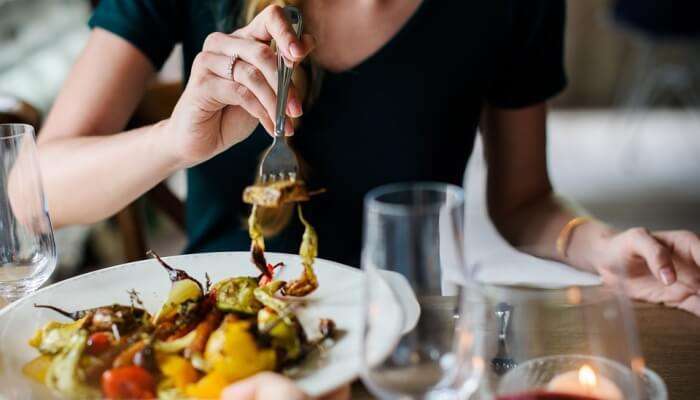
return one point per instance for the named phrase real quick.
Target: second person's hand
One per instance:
(221, 106)
(659, 267)
(271, 386)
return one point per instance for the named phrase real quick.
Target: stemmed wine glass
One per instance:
(574, 343)
(27, 248)
(414, 269)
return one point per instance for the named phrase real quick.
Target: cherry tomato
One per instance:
(98, 342)
(130, 382)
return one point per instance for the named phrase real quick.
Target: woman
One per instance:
(405, 85)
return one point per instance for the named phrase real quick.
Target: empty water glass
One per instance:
(27, 248)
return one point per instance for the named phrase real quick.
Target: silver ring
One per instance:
(231, 64)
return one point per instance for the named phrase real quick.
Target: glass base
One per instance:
(11, 292)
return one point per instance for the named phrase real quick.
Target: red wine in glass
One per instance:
(542, 395)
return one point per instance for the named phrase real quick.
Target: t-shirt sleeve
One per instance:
(152, 26)
(532, 65)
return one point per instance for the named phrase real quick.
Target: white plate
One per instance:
(338, 297)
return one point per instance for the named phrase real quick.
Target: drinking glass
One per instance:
(414, 270)
(27, 248)
(574, 343)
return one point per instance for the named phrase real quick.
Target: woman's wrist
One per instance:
(162, 144)
(587, 245)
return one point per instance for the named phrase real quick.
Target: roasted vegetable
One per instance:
(126, 357)
(64, 376)
(308, 251)
(76, 315)
(257, 242)
(106, 318)
(178, 371)
(37, 368)
(184, 288)
(130, 382)
(209, 387)
(125, 318)
(55, 336)
(237, 295)
(283, 332)
(99, 342)
(276, 193)
(233, 354)
(175, 345)
(203, 331)
(266, 296)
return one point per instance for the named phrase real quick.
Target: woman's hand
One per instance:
(218, 108)
(270, 386)
(659, 267)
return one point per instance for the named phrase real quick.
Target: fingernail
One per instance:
(288, 128)
(667, 276)
(296, 49)
(294, 108)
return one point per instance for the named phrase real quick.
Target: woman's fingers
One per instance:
(691, 304)
(209, 64)
(685, 244)
(257, 54)
(656, 254)
(254, 80)
(227, 92)
(263, 386)
(272, 24)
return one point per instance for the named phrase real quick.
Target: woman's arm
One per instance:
(520, 199)
(89, 173)
(526, 212)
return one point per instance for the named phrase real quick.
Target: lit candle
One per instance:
(585, 382)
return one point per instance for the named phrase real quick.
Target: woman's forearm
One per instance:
(89, 178)
(535, 227)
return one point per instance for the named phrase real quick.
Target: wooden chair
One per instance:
(156, 105)
(16, 111)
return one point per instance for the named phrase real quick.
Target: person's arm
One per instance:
(526, 212)
(521, 201)
(91, 171)
(88, 172)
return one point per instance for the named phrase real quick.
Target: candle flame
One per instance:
(587, 377)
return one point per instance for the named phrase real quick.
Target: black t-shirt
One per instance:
(409, 112)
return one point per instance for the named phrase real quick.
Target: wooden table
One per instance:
(670, 341)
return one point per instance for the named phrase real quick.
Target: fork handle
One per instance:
(284, 72)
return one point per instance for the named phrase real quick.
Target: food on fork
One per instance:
(275, 194)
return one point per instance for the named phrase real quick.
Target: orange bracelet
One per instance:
(565, 234)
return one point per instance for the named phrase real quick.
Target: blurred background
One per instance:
(624, 137)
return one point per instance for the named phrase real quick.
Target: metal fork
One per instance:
(280, 161)
(503, 362)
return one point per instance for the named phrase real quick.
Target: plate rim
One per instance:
(11, 306)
